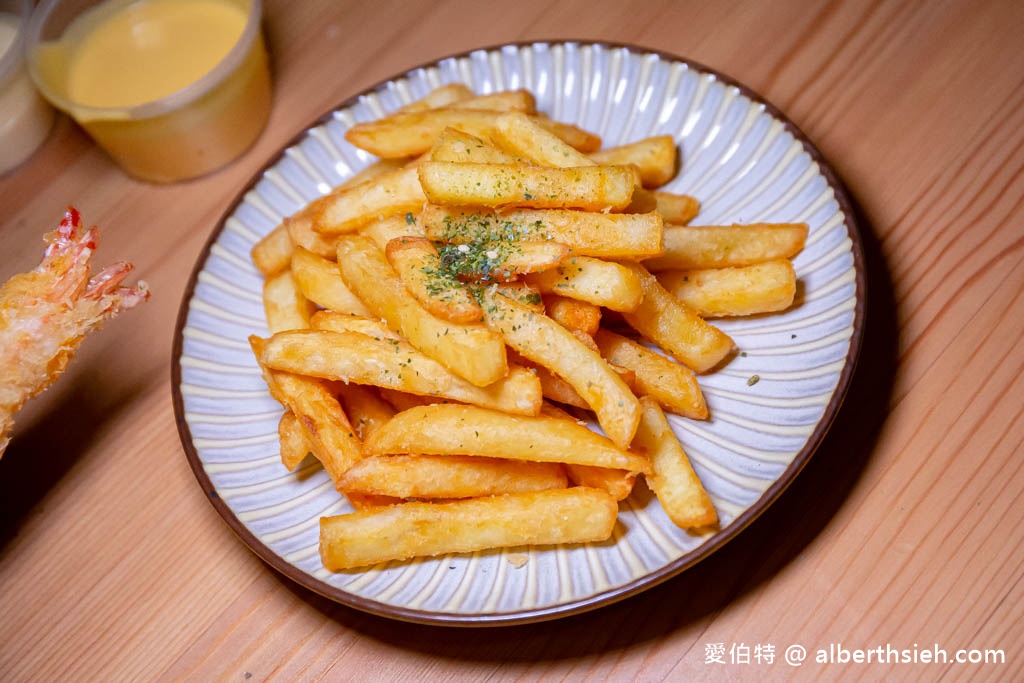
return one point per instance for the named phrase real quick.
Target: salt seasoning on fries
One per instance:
(461, 281)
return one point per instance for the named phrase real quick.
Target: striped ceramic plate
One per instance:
(741, 158)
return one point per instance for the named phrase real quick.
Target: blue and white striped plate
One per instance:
(745, 163)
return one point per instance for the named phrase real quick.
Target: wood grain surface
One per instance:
(904, 530)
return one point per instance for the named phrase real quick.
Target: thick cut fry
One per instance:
(331, 436)
(523, 136)
(442, 96)
(500, 261)
(420, 267)
(450, 476)
(503, 101)
(612, 235)
(746, 290)
(674, 482)
(393, 193)
(573, 314)
(721, 246)
(355, 357)
(470, 351)
(654, 157)
(334, 321)
(319, 281)
(294, 440)
(300, 229)
(384, 230)
(677, 209)
(598, 282)
(284, 305)
(547, 343)
(449, 429)
(399, 532)
(672, 325)
(273, 253)
(595, 188)
(454, 145)
(672, 385)
(366, 410)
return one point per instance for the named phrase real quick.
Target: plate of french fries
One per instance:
(519, 333)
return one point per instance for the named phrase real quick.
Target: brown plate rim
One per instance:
(643, 583)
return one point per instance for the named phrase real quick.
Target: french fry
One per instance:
(611, 235)
(654, 157)
(391, 363)
(449, 476)
(720, 246)
(284, 305)
(744, 290)
(677, 209)
(547, 343)
(601, 283)
(366, 410)
(420, 268)
(300, 229)
(595, 188)
(450, 429)
(273, 252)
(335, 321)
(442, 96)
(500, 261)
(470, 351)
(672, 325)
(294, 441)
(674, 386)
(617, 483)
(573, 314)
(674, 482)
(399, 532)
(383, 230)
(330, 435)
(455, 145)
(413, 133)
(523, 136)
(346, 210)
(319, 281)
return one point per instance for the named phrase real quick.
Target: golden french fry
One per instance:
(450, 429)
(455, 145)
(450, 476)
(677, 209)
(505, 100)
(470, 351)
(523, 136)
(413, 133)
(365, 409)
(295, 444)
(573, 314)
(300, 229)
(284, 305)
(335, 321)
(346, 210)
(611, 235)
(500, 261)
(719, 246)
(442, 96)
(674, 386)
(330, 435)
(674, 482)
(395, 364)
(744, 290)
(547, 343)
(596, 188)
(319, 281)
(672, 325)
(654, 157)
(273, 253)
(426, 278)
(400, 532)
(384, 230)
(601, 283)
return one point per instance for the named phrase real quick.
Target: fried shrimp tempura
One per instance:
(47, 312)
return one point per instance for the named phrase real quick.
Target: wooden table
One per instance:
(904, 530)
